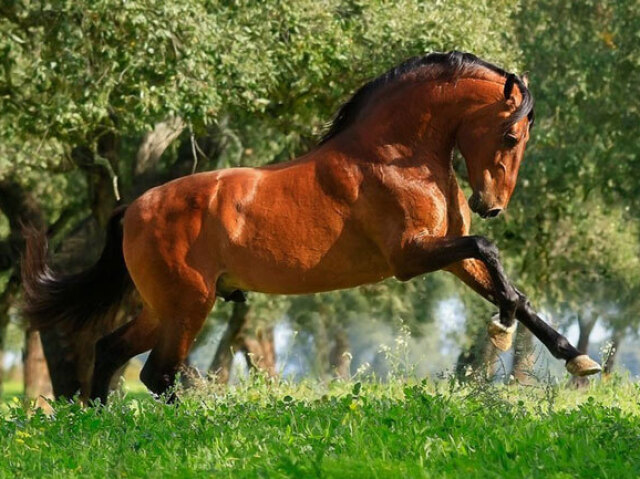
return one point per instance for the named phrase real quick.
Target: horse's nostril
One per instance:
(494, 212)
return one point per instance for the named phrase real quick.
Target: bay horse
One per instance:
(378, 197)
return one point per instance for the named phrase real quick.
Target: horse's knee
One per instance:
(486, 249)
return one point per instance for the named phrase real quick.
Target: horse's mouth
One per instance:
(492, 213)
(483, 210)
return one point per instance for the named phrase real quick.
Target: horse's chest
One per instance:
(426, 209)
(417, 197)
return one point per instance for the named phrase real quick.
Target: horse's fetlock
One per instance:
(157, 381)
(562, 345)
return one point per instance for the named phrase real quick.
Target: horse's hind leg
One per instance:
(115, 349)
(174, 342)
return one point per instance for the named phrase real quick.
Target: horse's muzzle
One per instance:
(480, 207)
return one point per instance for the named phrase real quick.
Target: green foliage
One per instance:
(267, 76)
(349, 430)
(584, 72)
(72, 69)
(570, 237)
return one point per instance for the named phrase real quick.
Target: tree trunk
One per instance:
(256, 344)
(21, 208)
(480, 360)
(586, 327)
(259, 350)
(155, 142)
(36, 374)
(146, 173)
(3, 331)
(6, 300)
(99, 174)
(221, 364)
(609, 364)
(339, 357)
(3, 334)
(490, 358)
(523, 358)
(321, 347)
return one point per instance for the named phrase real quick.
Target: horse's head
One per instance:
(492, 140)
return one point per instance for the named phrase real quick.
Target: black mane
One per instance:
(442, 66)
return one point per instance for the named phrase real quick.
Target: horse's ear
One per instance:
(525, 79)
(508, 85)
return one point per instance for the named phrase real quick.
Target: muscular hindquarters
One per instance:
(161, 230)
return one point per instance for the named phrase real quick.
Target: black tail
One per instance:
(76, 300)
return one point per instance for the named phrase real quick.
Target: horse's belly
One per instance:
(288, 281)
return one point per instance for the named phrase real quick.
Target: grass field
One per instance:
(394, 430)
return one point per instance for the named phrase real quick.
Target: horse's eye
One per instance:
(510, 140)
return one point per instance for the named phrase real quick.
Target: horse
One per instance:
(377, 197)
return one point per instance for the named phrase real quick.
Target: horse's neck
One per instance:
(416, 124)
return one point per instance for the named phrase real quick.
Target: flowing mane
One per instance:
(433, 66)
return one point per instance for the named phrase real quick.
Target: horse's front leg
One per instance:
(429, 254)
(475, 260)
(475, 275)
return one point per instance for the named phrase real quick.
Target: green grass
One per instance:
(341, 430)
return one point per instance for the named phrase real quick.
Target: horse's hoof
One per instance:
(500, 335)
(583, 365)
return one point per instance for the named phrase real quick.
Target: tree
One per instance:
(570, 236)
(142, 90)
(254, 339)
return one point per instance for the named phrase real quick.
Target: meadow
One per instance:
(339, 429)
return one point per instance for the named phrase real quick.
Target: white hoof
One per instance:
(583, 365)
(501, 336)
